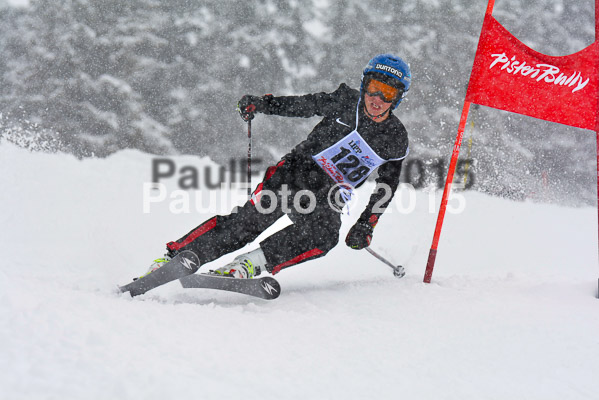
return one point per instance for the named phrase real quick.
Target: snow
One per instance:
(511, 312)
(18, 3)
(316, 28)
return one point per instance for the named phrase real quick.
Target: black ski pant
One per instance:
(314, 232)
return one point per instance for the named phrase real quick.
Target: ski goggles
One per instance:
(387, 92)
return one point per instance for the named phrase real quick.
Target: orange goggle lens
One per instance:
(376, 88)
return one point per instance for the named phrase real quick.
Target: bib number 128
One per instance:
(350, 167)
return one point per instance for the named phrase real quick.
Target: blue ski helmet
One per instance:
(391, 70)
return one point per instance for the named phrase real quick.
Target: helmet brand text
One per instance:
(389, 69)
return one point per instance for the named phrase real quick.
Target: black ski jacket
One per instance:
(389, 139)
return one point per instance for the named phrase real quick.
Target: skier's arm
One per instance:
(386, 185)
(360, 234)
(305, 106)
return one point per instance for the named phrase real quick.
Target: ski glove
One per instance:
(248, 105)
(360, 235)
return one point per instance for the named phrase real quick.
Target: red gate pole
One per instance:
(597, 135)
(448, 182)
(432, 255)
(597, 125)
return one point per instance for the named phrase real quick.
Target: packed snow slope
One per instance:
(511, 313)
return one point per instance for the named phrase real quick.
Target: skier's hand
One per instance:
(247, 106)
(360, 235)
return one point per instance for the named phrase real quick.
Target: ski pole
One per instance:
(398, 270)
(249, 177)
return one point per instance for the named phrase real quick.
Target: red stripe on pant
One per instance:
(257, 194)
(269, 173)
(295, 260)
(205, 227)
(271, 170)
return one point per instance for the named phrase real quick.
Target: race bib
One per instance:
(349, 161)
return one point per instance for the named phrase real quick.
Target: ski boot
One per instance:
(159, 262)
(245, 266)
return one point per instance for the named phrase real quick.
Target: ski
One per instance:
(184, 263)
(265, 288)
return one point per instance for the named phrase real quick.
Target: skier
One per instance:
(357, 134)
